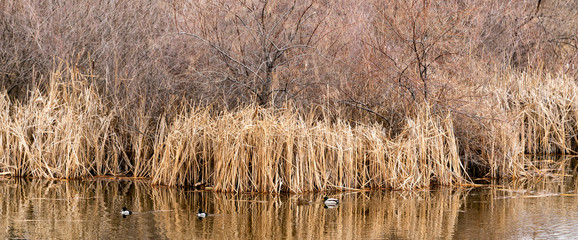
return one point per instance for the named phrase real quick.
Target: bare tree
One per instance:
(413, 38)
(254, 40)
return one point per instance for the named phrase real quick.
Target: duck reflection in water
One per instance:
(331, 206)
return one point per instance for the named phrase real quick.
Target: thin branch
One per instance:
(362, 106)
(221, 51)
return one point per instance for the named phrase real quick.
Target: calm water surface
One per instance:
(39, 209)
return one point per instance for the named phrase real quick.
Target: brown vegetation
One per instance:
(286, 95)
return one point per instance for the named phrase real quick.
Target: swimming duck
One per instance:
(330, 201)
(125, 212)
(201, 214)
(199, 186)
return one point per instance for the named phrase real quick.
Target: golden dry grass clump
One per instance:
(536, 113)
(64, 132)
(272, 150)
(547, 111)
(68, 130)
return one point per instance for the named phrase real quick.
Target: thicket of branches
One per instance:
(239, 52)
(375, 59)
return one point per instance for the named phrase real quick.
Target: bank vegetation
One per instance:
(287, 96)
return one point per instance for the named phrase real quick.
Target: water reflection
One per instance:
(33, 209)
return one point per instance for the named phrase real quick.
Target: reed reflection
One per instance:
(542, 207)
(34, 209)
(91, 209)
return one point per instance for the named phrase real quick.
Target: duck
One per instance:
(330, 201)
(199, 186)
(201, 214)
(125, 212)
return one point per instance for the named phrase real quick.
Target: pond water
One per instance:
(545, 208)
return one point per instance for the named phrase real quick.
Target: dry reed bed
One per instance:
(69, 130)
(522, 113)
(63, 133)
(537, 114)
(547, 108)
(265, 150)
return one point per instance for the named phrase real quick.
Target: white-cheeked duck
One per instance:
(330, 201)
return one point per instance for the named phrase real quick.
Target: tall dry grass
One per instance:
(61, 134)
(548, 108)
(272, 150)
(525, 113)
(71, 131)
